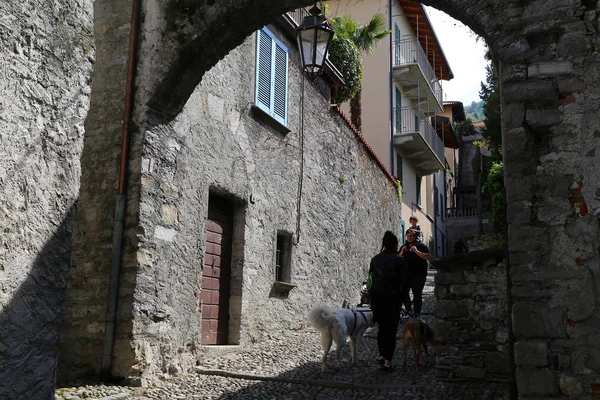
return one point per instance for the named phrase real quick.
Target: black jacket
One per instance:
(393, 267)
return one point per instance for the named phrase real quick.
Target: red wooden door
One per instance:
(216, 272)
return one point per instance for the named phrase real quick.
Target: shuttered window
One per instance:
(397, 44)
(398, 112)
(418, 188)
(271, 76)
(399, 172)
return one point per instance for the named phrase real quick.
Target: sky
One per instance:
(464, 54)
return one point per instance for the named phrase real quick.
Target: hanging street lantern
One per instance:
(314, 36)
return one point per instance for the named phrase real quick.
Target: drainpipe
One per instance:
(117, 244)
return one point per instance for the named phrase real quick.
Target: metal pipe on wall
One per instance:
(119, 220)
(391, 90)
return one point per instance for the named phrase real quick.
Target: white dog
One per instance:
(336, 324)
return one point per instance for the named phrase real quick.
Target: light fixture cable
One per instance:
(301, 175)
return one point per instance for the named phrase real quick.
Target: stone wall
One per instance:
(94, 222)
(464, 228)
(548, 58)
(472, 324)
(465, 191)
(45, 70)
(220, 144)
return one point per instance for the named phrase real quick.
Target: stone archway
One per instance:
(550, 100)
(548, 72)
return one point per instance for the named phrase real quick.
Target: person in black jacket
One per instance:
(386, 297)
(416, 254)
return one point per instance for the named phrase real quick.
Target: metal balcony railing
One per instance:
(412, 120)
(409, 51)
(298, 15)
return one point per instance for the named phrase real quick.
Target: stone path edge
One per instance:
(121, 396)
(309, 382)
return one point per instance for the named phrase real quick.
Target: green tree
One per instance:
(475, 111)
(494, 187)
(365, 38)
(490, 94)
(493, 182)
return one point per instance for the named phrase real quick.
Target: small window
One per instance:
(271, 76)
(283, 257)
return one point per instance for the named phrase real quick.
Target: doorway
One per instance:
(216, 271)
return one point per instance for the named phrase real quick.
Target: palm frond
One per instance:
(367, 35)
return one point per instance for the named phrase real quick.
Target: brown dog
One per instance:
(417, 333)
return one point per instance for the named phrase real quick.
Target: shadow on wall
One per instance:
(30, 324)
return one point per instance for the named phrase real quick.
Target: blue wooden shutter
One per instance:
(264, 45)
(399, 171)
(418, 190)
(397, 43)
(271, 76)
(280, 83)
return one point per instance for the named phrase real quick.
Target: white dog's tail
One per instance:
(321, 317)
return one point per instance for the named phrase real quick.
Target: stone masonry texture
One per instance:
(547, 52)
(472, 317)
(93, 228)
(219, 144)
(46, 56)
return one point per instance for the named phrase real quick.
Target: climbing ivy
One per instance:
(346, 58)
(399, 189)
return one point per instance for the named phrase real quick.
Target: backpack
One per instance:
(377, 283)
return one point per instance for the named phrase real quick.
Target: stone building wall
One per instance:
(548, 58)
(466, 182)
(218, 144)
(472, 317)
(465, 228)
(45, 71)
(86, 303)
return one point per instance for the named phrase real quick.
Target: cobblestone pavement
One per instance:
(287, 366)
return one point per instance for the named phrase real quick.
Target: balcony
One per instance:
(298, 15)
(414, 73)
(419, 141)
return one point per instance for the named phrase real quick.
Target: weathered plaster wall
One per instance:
(218, 143)
(45, 69)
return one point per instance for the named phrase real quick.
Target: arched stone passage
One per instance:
(194, 36)
(549, 71)
(546, 52)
